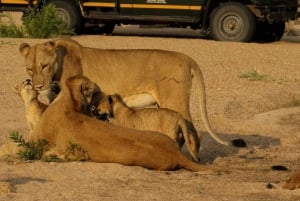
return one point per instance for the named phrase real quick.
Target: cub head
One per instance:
(100, 107)
(114, 102)
(26, 91)
(86, 94)
(42, 63)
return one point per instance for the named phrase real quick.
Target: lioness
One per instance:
(162, 120)
(163, 76)
(63, 122)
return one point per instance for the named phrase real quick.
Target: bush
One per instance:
(10, 29)
(44, 23)
(253, 76)
(31, 150)
(37, 23)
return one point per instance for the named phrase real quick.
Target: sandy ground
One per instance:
(266, 114)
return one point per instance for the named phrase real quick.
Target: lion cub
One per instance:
(33, 108)
(161, 120)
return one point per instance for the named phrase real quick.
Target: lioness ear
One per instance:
(23, 49)
(50, 46)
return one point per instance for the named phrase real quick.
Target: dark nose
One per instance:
(28, 80)
(102, 117)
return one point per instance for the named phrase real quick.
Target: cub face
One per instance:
(25, 91)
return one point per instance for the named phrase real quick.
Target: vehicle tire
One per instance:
(266, 32)
(232, 21)
(70, 13)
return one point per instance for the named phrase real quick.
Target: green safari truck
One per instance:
(223, 20)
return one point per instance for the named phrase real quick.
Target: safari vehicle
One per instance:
(224, 20)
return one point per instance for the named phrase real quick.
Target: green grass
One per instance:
(34, 150)
(30, 150)
(10, 29)
(253, 76)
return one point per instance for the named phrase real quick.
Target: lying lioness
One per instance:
(64, 122)
(161, 120)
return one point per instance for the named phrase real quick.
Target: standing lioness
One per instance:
(63, 123)
(159, 75)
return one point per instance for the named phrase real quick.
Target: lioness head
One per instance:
(26, 91)
(41, 63)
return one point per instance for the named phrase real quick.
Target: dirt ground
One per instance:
(265, 113)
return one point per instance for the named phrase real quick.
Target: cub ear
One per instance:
(23, 48)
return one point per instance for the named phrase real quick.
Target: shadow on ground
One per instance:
(210, 149)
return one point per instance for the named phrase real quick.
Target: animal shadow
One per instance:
(24, 180)
(210, 149)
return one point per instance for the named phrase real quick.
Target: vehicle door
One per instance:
(159, 8)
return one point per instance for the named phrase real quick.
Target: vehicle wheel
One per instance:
(69, 13)
(232, 22)
(269, 32)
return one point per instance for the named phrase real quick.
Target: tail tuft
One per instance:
(238, 143)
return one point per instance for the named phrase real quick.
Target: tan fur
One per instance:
(293, 182)
(165, 75)
(162, 120)
(33, 108)
(104, 142)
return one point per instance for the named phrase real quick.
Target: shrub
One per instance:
(44, 23)
(252, 76)
(31, 150)
(10, 29)
(37, 23)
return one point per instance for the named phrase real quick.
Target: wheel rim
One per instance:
(62, 14)
(231, 25)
